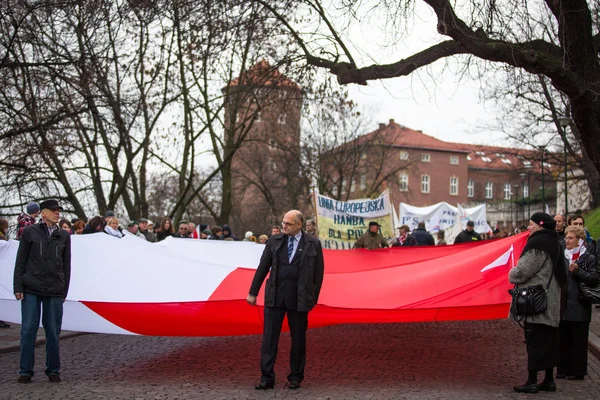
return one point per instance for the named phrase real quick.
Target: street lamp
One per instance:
(522, 175)
(528, 168)
(543, 150)
(564, 122)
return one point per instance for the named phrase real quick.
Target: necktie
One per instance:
(290, 247)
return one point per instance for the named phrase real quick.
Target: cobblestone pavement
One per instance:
(442, 360)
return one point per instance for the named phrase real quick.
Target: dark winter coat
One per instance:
(423, 237)
(43, 264)
(160, 236)
(310, 274)
(577, 309)
(467, 237)
(410, 241)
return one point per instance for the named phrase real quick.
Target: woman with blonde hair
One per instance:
(112, 228)
(577, 313)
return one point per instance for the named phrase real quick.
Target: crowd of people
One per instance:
(143, 228)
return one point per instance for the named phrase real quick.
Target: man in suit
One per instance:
(295, 260)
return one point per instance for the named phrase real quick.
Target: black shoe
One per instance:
(4, 325)
(55, 378)
(526, 388)
(294, 385)
(24, 379)
(575, 378)
(547, 386)
(265, 386)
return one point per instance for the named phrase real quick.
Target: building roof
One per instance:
(398, 135)
(263, 74)
(478, 156)
(502, 158)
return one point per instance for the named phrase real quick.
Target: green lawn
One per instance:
(592, 223)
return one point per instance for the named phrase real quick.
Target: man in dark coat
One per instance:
(468, 235)
(423, 237)
(405, 238)
(295, 261)
(41, 281)
(560, 227)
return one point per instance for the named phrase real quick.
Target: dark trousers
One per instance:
(298, 323)
(542, 346)
(573, 348)
(51, 309)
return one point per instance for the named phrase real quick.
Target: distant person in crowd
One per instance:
(247, 236)
(262, 239)
(27, 218)
(216, 232)
(108, 215)
(3, 229)
(4, 236)
(227, 233)
(205, 234)
(441, 237)
(112, 228)
(495, 234)
(405, 238)
(372, 239)
(133, 229)
(182, 233)
(95, 225)
(541, 261)
(65, 224)
(41, 281)
(192, 231)
(578, 220)
(78, 227)
(560, 226)
(423, 237)
(577, 312)
(311, 228)
(468, 235)
(150, 227)
(143, 228)
(296, 267)
(166, 229)
(275, 230)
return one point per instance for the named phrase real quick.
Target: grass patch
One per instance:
(592, 223)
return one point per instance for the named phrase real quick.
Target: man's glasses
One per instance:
(288, 223)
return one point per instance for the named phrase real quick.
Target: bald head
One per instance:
(292, 222)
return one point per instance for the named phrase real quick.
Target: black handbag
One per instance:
(590, 294)
(530, 300)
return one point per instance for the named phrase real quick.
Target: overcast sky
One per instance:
(440, 106)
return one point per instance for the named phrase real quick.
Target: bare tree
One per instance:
(558, 40)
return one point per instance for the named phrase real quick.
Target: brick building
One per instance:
(434, 170)
(265, 167)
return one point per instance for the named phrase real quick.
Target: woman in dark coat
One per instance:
(166, 229)
(577, 314)
(95, 225)
(541, 263)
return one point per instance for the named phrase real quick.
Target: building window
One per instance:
(425, 157)
(525, 190)
(281, 119)
(352, 186)
(403, 182)
(454, 160)
(334, 190)
(403, 155)
(258, 116)
(363, 182)
(425, 184)
(454, 186)
(471, 188)
(507, 191)
(489, 190)
(344, 186)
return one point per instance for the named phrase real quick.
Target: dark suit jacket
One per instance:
(310, 270)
